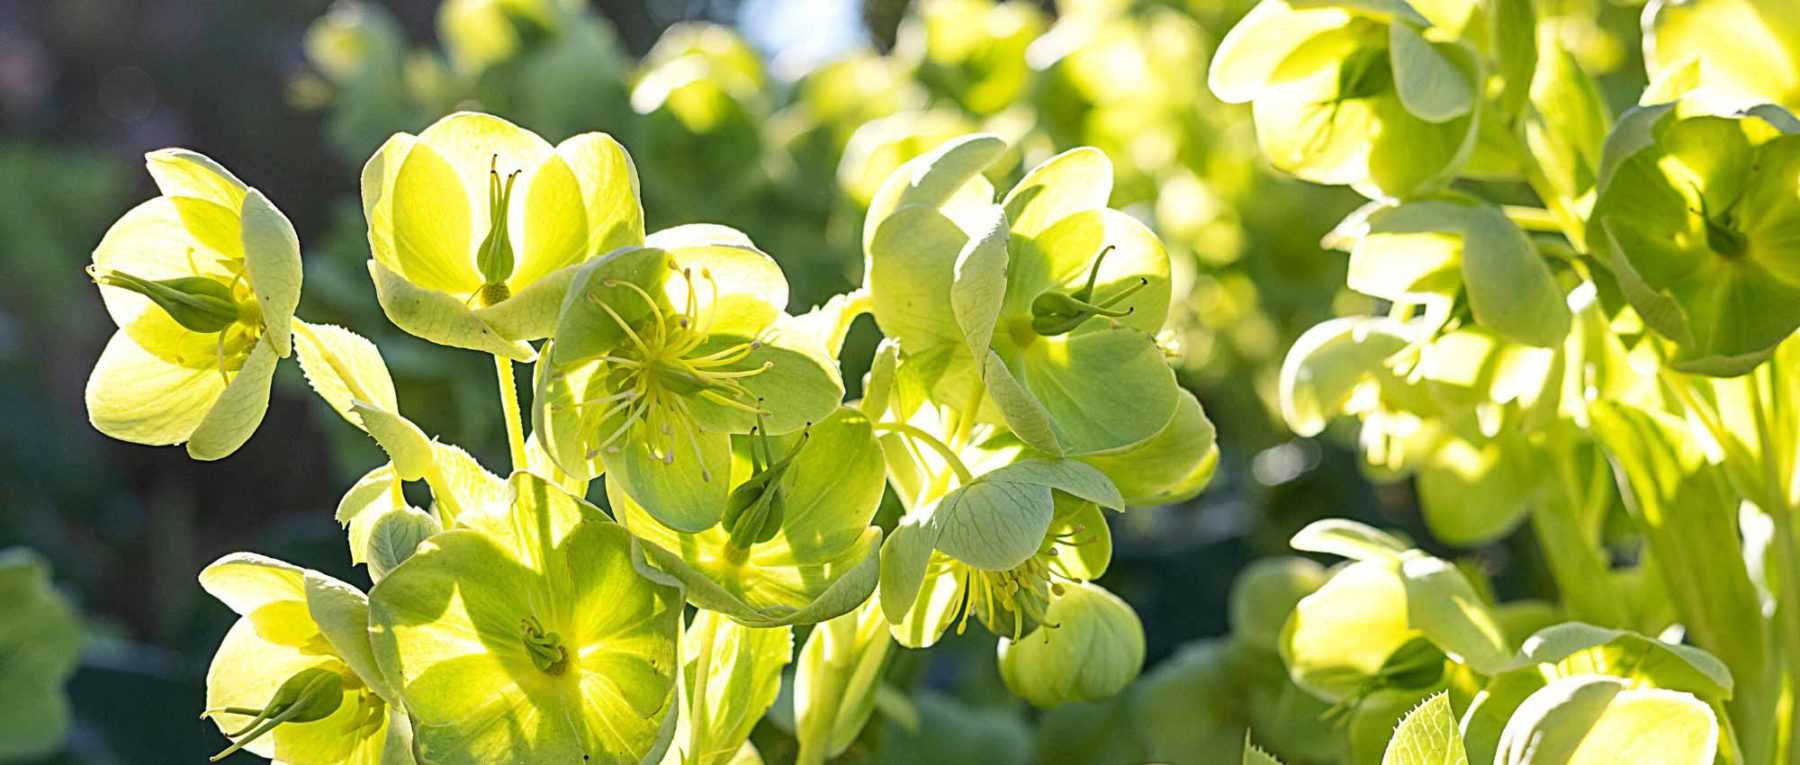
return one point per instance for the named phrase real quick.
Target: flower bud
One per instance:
(1090, 647)
(309, 695)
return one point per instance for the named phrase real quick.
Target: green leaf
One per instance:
(1255, 756)
(405, 444)
(1427, 736)
(1430, 86)
(344, 368)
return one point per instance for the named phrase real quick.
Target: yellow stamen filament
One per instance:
(654, 381)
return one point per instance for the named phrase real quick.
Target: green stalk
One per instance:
(1581, 572)
(509, 406)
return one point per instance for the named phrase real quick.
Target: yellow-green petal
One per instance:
(135, 396)
(234, 417)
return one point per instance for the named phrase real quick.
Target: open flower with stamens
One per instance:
(1695, 214)
(993, 530)
(1009, 600)
(660, 354)
(814, 502)
(1039, 311)
(202, 282)
(530, 636)
(1380, 96)
(477, 226)
(295, 679)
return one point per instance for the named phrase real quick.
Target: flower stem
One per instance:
(1533, 219)
(963, 475)
(509, 406)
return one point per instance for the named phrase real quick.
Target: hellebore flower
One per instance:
(40, 642)
(529, 636)
(1357, 93)
(1048, 302)
(202, 282)
(660, 354)
(295, 680)
(477, 225)
(1697, 216)
(1739, 53)
(794, 545)
(1387, 621)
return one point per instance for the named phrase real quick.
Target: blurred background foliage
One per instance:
(779, 117)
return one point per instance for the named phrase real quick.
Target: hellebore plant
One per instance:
(1590, 342)
(512, 621)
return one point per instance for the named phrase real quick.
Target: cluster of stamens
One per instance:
(1017, 600)
(652, 380)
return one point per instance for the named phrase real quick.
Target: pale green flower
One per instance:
(529, 636)
(477, 226)
(202, 282)
(295, 679)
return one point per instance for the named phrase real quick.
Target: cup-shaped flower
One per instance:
(820, 558)
(1390, 620)
(1048, 301)
(1695, 215)
(530, 637)
(1090, 646)
(1357, 93)
(477, 225)
(660, 354)
(295, 679)
(1541, 696)
(999, 548)
(1739, 53)
(202, 283)
(41, 640)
